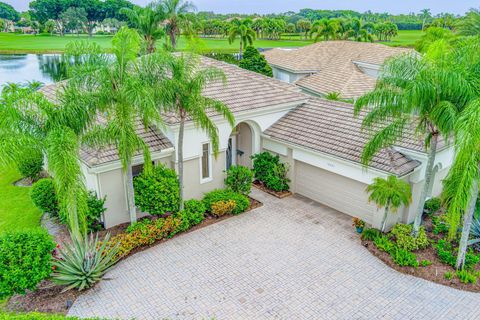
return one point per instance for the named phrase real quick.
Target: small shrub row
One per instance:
(439, 225)
(405, 240)
(147, 232)
(37, 316)
(226, 196)
(448, 255)
(268, 169)
(400, 256)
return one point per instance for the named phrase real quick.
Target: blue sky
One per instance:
(268, 6)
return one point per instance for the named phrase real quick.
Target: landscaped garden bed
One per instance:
(430, 256)
(126, 239)
(279, 194)
(271, 175)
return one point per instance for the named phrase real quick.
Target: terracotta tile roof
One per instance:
(246, 90)
(330, 127)
(320, 55)
(155, 140)
(345, 79)
(332, 65)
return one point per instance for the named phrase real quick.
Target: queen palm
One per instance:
(176, 15)
(29, 121)
(326, 28)
(412, 94)
(243, 30)
(121, 90)
(147, 22)
(389, 193)
(470, 24)
(182, 95)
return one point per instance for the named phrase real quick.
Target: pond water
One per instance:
(21, 68)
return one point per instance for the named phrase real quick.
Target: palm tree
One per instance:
(121, 90)
(29, 121)
(147, 22)
(470, 24)
(305, 25)
(461, 185)
(390, 193)
(413, 92)
(425, 14)
(360, 31)
(243, 30)
(326, 28)
(176, 17)
(182, 94)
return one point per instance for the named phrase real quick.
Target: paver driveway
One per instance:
(290, 259)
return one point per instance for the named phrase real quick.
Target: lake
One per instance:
(46, 68)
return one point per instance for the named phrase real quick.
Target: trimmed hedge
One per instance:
(241, 201)
(157, 192)
(25, 260)
(268, 169)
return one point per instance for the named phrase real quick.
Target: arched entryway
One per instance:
(242, 143)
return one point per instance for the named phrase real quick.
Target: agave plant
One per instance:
(475, 231)
(84, 262)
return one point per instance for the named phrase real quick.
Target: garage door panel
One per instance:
(336, 191)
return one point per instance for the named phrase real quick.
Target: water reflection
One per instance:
(22, 68)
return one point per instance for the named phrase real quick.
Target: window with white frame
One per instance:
(206, 161)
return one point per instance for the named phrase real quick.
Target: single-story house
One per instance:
(349, 68)
(320, 139)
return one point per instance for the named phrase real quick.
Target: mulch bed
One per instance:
(49, 297)
(434, 272)
(278, 194)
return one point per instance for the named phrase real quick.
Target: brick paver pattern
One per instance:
(290, 259)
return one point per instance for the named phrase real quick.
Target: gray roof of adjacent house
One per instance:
(333, 65)
(155, 140)
(330, 127)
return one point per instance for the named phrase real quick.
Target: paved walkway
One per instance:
(290, 259)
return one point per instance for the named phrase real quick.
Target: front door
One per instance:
(229, 153)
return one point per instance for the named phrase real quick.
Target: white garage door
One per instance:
(338, 192)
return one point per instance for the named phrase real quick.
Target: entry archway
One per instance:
(242, 144)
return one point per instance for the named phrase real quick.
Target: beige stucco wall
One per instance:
(193, 188)
(111, 186)
(244, 143)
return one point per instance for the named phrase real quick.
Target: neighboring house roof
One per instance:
(332, 65)
(155, 140)
(330, 127)
(246, 90)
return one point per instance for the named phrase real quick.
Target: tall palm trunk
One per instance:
(385, 214)
(241, 48)
(428, 181)
(150, 44)
(173, 40)
(180, 157)
(467, 225)
(128, 178)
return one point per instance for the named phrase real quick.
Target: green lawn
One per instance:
(405, 38)
(19, 43)
(17, 211)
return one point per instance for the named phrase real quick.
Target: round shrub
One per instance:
(157, 192)
(30, 165)
(241, 201)
(25, 260)
(268, 169)
(96, 207)
(432, 205)
(44, 197)
(405, 240)
(239, 179)
(221, 208)
(195, 210)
